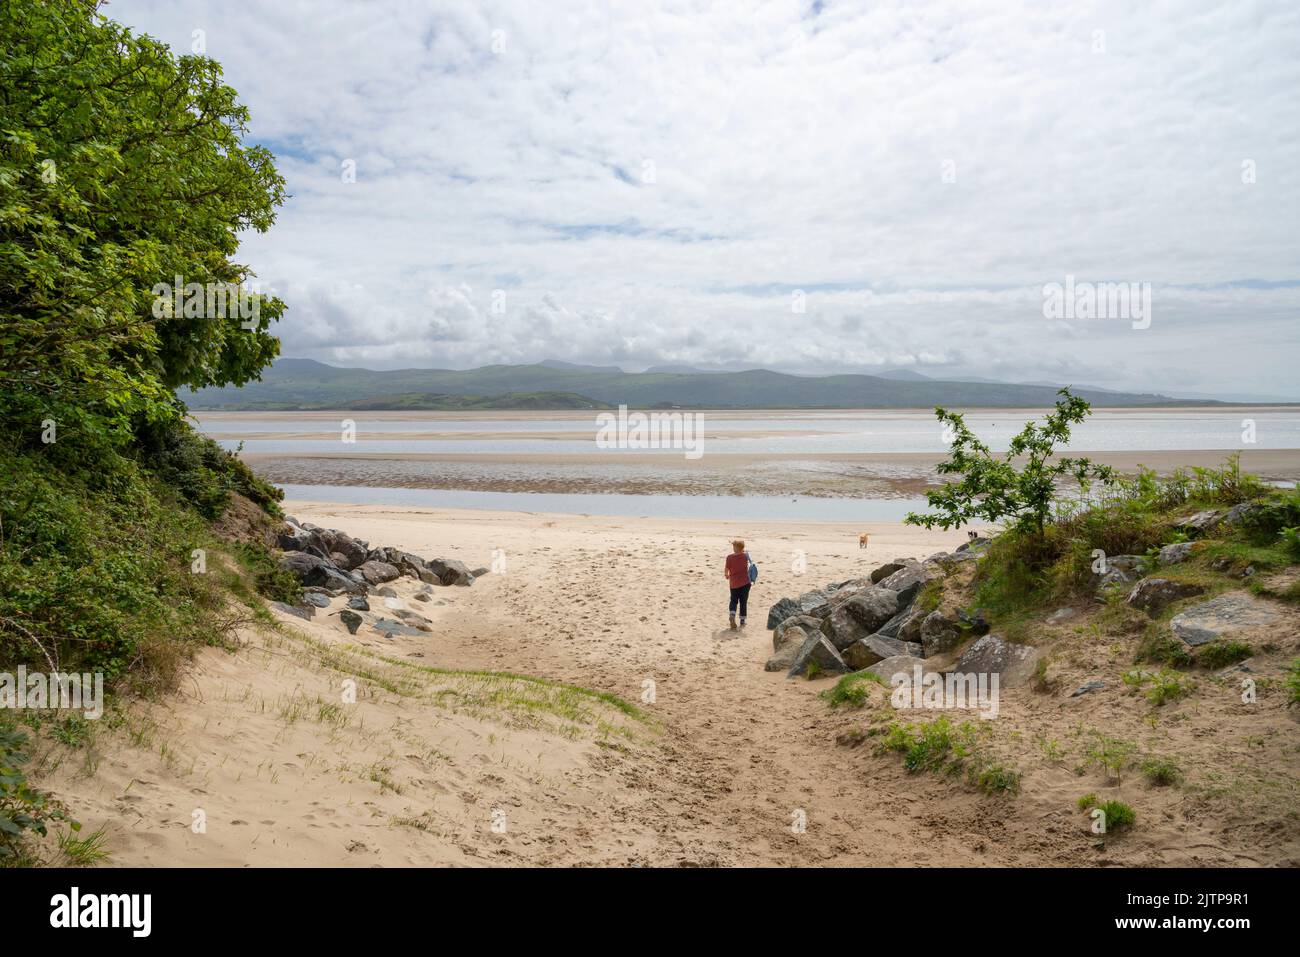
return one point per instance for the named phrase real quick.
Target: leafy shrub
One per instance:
(993, 488)
(24, 811)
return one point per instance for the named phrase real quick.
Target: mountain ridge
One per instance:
(293, 383)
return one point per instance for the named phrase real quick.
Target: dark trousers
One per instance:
(739, 596)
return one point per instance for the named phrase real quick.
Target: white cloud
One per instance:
(788, 151)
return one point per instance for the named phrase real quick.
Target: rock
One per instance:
(974, 625)
(1242, 513)
(907, 581)
(314, 570)
(885, 570)
(784, 609)
(423, 596)
(358, 603)
(1152, 595)
(480, 572)
(807, 622)
(867, 651)
(292, 537)
(386, 591)
(1060, 615)
(1217, 617)
(898, 664)
(413, 619)
(1175, 553)
(890, 628)
(810, 601)
(350, 619)
(975, 545)
(1086, 687)
(817, 650)
(449, 571)
(910, 629)
(351, 553)
(993, 654)
(842, 628)
(377, 572)
(793, 639)
(317, 599)
(871, 606)
(1202, 522)
(388, 628)
(1120, 570)
(939, 633)
(306, 612)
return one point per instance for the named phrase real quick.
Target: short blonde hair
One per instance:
(738, 543)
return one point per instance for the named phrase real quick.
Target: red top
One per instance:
(738, 569)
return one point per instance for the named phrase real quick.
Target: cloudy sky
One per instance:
(642, 183)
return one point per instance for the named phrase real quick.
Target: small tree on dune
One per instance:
(998, 489)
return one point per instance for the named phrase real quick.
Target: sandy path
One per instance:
(614, 603)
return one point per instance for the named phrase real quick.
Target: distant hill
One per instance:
(307, 384)
(419, 401)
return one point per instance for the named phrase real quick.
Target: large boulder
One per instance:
(818, 650)
(792, 639)
(885, 570)
(449, 571)
(1235, 611)
(1176, 553)
(313, 570)
(346, 552)
(784, 609)
(898, 664)
(1203, 522)
(842, 628)
(907, 581)
(993, 654)
(939, 633)
(807, 622)
(292, 537)
(909, 629)
(1152, 595)
(871, 606)
(377, 572)
(810, 602)
(867, 651)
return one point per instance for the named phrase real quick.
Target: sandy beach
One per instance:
(434, 767)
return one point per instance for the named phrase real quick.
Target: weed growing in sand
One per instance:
(1118, 816)
(1109, 754)
(946, 748)
(1166, 685)
(851, 690)
(1224, 652)
(84, 851)
(1292, 682)
(1161, 772)
(1087, 801)
(1051, 749)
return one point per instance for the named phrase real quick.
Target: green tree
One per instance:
(994, 488)
(122, 166)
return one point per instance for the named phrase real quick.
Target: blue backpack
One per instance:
(753, 569)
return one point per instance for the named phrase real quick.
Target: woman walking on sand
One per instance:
(739, 577)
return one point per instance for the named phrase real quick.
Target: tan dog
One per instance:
(862, 540)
